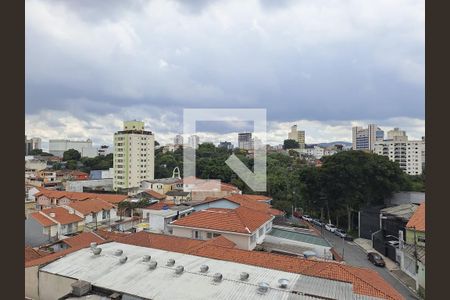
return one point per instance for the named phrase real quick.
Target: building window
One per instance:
(209, 235)
(196, 234)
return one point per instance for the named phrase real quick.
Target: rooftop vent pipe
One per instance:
(263, 287)
(204, 268)
(170, 262)
(96, 250)
(146, 258)
(118, 252)
(122, 260)
(152, 265)
(217, 277)
(244, 276)
(283, 282)
(179, 269)
(93, 245)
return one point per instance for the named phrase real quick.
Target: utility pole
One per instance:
(343, 247)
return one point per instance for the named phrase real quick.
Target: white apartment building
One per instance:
(134, 156)
(297, 135)
(245, 141)
(58, 147)
(409, 154)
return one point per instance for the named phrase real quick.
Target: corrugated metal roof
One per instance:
(403, 211)
(135, 278)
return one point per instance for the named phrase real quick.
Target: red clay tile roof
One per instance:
(110, 235)
(245, 201)
(160, 241)
(257, 197)
(364, 281)
(160, 205)
(91, 205)
(155, 195)
(51, 257)
(78, 196)
(31, 254)
(62, 215)
(42, 219)
(418, 218)
(83, 239)
(240, 220)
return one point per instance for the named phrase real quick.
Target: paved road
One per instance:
(354, 255)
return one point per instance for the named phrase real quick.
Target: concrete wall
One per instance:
(77, 186)
(53, 287)
(35, 235)
(217, 204)
(241, 241)
(32, 282)
(405, 198)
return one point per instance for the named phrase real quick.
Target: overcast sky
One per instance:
(324, 65)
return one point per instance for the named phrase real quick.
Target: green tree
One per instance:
(71, 154)
(290, 144)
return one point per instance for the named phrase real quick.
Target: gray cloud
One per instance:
(321, 60)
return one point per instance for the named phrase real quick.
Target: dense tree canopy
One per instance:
(290, 144)
(71, 154)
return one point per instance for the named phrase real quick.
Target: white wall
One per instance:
(241, 241)
(53, 287)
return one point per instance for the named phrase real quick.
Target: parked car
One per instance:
(317, 222)
(348, 237)
(330, 227)
(376, 259)
(340, 232)
(307, 218)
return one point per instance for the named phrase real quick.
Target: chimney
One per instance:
(52, 215)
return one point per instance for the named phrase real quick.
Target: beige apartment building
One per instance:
(297, 135)
(134, 156)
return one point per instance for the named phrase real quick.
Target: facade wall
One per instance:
(410, 155)
(133, 159)
(32, 282)
(53, 287)
(77, 186)
(241, 241)
(217, 204)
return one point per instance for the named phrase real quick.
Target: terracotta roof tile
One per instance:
(160, 205)
(155, 195)
(83, 239)
(90, 205)
(241, 220)
(42, 219)
(78, 196)
(418, 218)
(31, 254)
(62, 215)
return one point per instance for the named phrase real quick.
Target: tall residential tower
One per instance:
(365, 138)
(134, 156)
(297, 135)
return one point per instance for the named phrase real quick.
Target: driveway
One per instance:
(354, 255)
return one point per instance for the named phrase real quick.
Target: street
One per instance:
(355, 255)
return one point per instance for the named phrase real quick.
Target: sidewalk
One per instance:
(393, 268)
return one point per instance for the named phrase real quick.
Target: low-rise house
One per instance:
(50, 198)
(161, 214)
(51, 224)
(95, 212)
(178, 196)
(255, 202)
(161, 185)
(412, 260)
(64, 175)
(243, 226)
